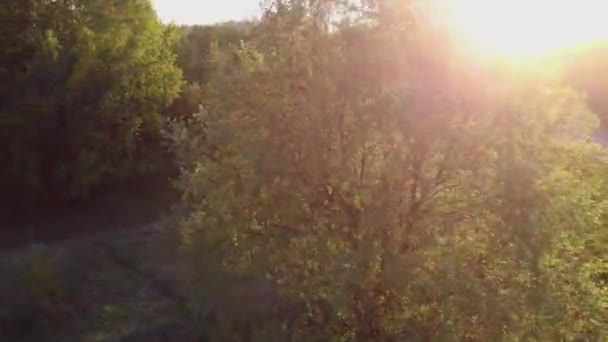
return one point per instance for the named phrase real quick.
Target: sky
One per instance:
(205, 11)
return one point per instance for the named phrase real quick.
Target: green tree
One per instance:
(192, 50)
(195, 43)
(400, 188)
(85, 106)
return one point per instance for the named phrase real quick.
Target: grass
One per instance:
(79, 292)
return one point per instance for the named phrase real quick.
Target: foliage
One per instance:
(195, 43)
(399, 188)
(91, 80)
(192, 50)
(585, 70)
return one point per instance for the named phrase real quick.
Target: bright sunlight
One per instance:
(528, 28)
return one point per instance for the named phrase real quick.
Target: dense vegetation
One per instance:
(383, 183)
(84, 83)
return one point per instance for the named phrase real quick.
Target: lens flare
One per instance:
(523, 28)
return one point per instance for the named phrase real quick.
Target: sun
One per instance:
(527, 28)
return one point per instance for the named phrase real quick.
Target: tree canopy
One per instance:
(85, 83)
(398, 187)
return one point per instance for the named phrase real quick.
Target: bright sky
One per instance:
(205, 11)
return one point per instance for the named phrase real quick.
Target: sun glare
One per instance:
(528, 28)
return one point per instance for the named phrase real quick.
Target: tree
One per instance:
(396, 186)
(192, 50)
(195, 44)
(94, 78)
